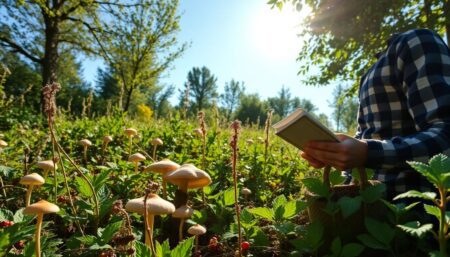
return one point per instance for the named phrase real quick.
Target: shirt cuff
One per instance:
(375, 154)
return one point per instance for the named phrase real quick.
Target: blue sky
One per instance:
(242, 40)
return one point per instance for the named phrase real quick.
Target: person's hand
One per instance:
(347, 154)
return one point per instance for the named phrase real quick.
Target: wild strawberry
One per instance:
(213, 244)
(6, 223)
(19, 245)
(245, 245)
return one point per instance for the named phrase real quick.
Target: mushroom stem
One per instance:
(184, 186)
(149, 234)
(164, 186)
(131, 143)
(37, 247)
(28, 195)
(196, 243)
(105, 145)
(135, 167)
(180, 233)
(3, 187)
(154, 152)
(85, 154)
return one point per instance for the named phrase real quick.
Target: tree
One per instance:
(341, 37)
(159, 101)
(345, 109)
(305, 104)
(337, 105)
(252, 110)
(202, 88)
(231, 97)
(281, 104)
(142, 44)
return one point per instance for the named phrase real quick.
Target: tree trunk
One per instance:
(128, 100)
(50, 60)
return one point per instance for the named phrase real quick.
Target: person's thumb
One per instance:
(342, 137)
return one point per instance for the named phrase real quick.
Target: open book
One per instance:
(300, 127)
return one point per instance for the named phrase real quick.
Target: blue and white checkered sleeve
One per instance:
(424, 66)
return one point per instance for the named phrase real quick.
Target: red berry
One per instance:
(245, 245)
(6, 223)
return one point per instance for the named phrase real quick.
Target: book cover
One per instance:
(300, 127)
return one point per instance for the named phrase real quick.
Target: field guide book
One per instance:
(300, 127)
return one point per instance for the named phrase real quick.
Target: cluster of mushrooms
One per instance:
(186, 176)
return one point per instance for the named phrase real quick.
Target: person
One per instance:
(404, 114)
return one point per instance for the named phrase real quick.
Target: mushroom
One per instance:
(249, 141)
(155, 143)
(85, 143)
(46, 166)
(40, 208)
(246, 192)
(155, 206)
(198, 131)
(196, 231)
(3, 144)
(136, 158)
(182, 213)
(31, 180)
(163, 167)
(106, 141)
(131, 132)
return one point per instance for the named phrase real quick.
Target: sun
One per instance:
(275, 32)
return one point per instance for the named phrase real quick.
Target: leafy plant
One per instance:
(437, 171)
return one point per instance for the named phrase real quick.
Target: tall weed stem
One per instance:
(236, 125)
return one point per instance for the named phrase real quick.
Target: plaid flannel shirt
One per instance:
(404, 111)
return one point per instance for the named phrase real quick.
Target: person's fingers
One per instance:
(313, 162)
(323, 145)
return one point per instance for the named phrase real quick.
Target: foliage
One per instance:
(233, 92)
(144, 112)
(201, 86)
(341, 38)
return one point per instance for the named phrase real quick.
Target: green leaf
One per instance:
(183, 249)
(371, 242)
(263, 212)
(373, 193)
(349, 205)
(87, 239)
(425, 170)
(379, 230)
(4, 243)
(352, 250)
(292, 208)
(83, 187)
(433, 210)
(285, 227)
(314, 234)
(247, 219)
(278, 213)
(336, 246)
(416, 194)
(18, 216)
(228, 197)
(439, 164)
(143, 251)
(109, 231)
(162, 250)
(6, 214)
(100, 179)
(260, 238)
(278, 202)
(336, 178)
(5, 171)
(316, 186)
(413, 228)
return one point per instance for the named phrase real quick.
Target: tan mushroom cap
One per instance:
(203, 179)
(3, 143)
(198, 131)
(46, 165)
(185, 172)
(157, 141)
(107, 139)
(183, 212)
(131, 132)
(249, 141)
(85, 142)
(32, 179)
(162, 166)
(137, 157)
(195, 177)
(42, 206)
(197, 230)
(246, 191)
(155, 205)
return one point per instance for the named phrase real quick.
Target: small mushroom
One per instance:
(106, 141)
(156, 142)
(163, 167)
(246, 192)
(136, 158)
(155, 206)
(31, 180)
(3, 144)
(85, 143)
(184, 212)
(197, 230)
(40, 208)
(249, 141)
(46, 166)
(131, 132)
(198, 132)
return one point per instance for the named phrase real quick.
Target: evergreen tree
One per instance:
(231, 97)
(202, 88)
